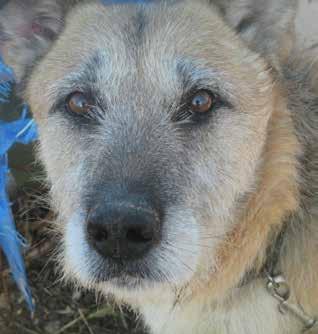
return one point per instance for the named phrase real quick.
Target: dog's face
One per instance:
(153, 121)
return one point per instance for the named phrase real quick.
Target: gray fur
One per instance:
(264, 25)
(141, 63)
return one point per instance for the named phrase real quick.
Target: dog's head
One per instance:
(155, 120)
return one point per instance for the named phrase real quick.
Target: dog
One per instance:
(180, 140)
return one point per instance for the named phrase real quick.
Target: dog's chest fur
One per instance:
(250, 310)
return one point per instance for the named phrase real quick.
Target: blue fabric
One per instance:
(21, 131)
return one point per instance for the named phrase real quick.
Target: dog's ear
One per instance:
(266, 25)
(27, 30)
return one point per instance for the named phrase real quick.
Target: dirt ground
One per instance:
(60, 309)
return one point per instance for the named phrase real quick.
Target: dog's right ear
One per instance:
(27, 30)
(267, 26)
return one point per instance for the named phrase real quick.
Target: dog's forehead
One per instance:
(148, 48)
(143, 36)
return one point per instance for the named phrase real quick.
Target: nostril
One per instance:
(123, 229)
(101, 235)
(139, 235)
(97, 233)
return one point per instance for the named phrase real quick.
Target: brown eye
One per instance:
(202, 102)
(78, 103)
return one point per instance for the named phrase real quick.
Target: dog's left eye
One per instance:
(202, 102)
(78, 103)
(197, 105)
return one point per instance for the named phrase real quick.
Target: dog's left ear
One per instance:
(266, 25)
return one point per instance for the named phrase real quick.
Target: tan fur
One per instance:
(240, 177)
(275, 199)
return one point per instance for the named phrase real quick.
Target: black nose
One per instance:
(123, 229)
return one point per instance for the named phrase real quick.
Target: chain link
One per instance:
(278, 287)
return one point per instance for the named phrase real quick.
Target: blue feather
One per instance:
(21, 131)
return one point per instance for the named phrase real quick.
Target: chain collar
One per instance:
(278, 287)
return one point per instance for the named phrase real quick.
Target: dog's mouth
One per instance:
(124, 273)
(171, 261)
(86, 263)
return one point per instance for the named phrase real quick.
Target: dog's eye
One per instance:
(202, 102)
(78, 103)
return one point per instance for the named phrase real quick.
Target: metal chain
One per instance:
(278, 287)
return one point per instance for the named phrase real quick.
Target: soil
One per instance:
(59, 308)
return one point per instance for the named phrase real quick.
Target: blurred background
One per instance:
(60, 309)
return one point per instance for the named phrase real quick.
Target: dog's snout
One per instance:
(124, 229)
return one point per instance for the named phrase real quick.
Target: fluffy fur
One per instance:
(228, 187)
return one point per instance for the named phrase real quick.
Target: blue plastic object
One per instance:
(21, 131)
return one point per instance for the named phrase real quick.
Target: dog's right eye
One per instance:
(78, 103)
